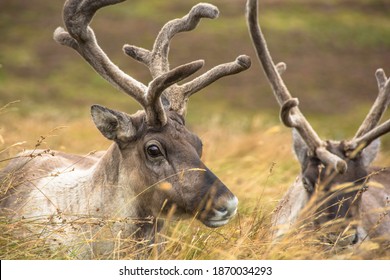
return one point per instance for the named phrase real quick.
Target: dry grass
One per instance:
(257, 165)
(332, 49)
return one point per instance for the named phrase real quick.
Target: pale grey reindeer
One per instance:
(336, 180)
(153, 165)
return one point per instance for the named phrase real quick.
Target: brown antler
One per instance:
(157, 59)
(79, 36)
(380, 105)
(290, 114)
(369, 131)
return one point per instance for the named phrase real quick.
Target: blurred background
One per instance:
(332, 50)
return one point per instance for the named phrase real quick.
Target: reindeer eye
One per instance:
(153, 151)
(307, 185)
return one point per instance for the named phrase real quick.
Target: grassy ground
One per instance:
(332, 49)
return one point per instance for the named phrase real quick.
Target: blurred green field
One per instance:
(332, 49)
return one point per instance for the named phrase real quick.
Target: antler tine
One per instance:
(157, 59)
(369, 130)
(290, 113)
(365, 140)
(241, 63)
(378, 108)
(162, 82)
(79, 36)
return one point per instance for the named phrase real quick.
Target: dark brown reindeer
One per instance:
(336, 181)
(152, 166)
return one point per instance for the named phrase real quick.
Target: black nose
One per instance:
(221, 209)
(356, 239)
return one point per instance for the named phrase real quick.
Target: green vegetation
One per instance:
(332, 49)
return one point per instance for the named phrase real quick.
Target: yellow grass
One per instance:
(252, 157)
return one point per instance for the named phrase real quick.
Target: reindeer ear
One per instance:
(300, 148)
(370, 152)
(114, 125)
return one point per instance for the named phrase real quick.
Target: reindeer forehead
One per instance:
(174, 130)
(179, 132)
(336, 147)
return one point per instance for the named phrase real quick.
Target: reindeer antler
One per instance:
(290, 113)
(291, 116)
(369, 130)
(79, 36)
(157, 59)
(380, 105)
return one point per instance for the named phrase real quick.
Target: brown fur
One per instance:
(119, 193)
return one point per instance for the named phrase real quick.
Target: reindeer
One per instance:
(153, 165)
(336, 181)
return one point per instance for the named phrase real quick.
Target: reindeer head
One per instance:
(337, 194)
(158, 153)
(336, 171)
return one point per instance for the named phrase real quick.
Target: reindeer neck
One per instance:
(106, 170)
(114, 183)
